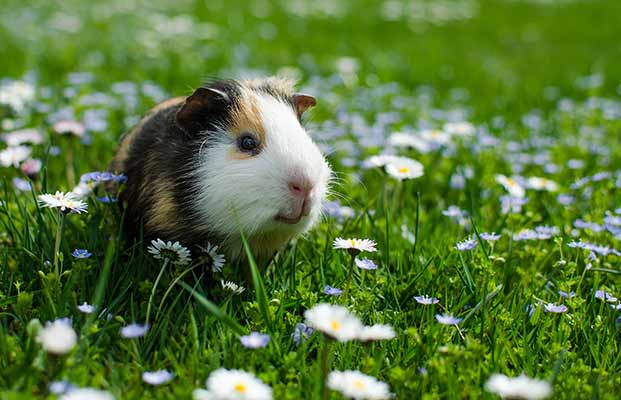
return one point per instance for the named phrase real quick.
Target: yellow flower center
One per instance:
(403, 170)
(358, 384)
(336, 325)
(352, 242)
(511, 182)
(240, 387)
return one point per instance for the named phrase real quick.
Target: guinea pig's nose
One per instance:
(300, 187)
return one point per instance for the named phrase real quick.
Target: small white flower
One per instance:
(355, 245)
(335, 321)
(404, 168)
(202, 394)
(173, 252)
(404, 139)
(436, 136)
(87, 394)
(234, 384)
(17, 94)
(217, 260)
(379, 160)
(377, 332)
(65, 202)
(12, 156)
(86, 308)
(356, 385)
(511, 185)
(232, 286)
(22, 136)
(521, 387)
(157, 378)
(58, 337)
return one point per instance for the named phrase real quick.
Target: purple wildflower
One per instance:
(255, 340)
(511, 204)
(580, 224)
(301, 331)
(365, 263)
(426, 300)
(157, 378)
(467, 244)
(81, 253)
(490, 237)
(603, 295)
(332, 291)
(565, 199)
(554, 308)
(567, 295)
(133, 331)
(447, 319)
(86, 308)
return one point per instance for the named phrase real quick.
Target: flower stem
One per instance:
(59, 231)
(349, 275)
(157, 280)
(325, 357)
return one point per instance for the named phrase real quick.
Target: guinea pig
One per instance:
(232, 156)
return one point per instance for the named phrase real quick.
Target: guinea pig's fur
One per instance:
(233, 155)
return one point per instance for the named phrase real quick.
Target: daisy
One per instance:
(22, 136)
(436, 136)
(58, 337)
(355, 246)
(234, 384)
(31, 167)
(379, 160)
(334, 321)
(356, 385)
(538, 183)
(133, 331)
(404, 168)
(511, 185)
(157, 378)
(365, 263)
(521, 387)
(255, 340)
(14, 155)
(464, 128)
(377, 332)
(86, 394)
(232, 286)
(216, 261)
(447, 319)
(65, 202)
(174, 252)
(426, 300)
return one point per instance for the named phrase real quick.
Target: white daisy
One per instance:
(216, 260)
(437, 136)
(12, 156)
(334, 321)
(404, 168)
(539, 183)
(521, 387)
(65, 202)
(133, 331)
(464, 129)
(379, 160)
(355, 246)
(511, 185)
(86, 394)
(58, 337)
(232, 286)
(22, 136)
(69, 127)
(173, 252)
(356, 385)
(377, 332)
(404, 139)
(202, 394)
(157, 378)
(234, 384)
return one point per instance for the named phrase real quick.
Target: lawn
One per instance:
(512, 107)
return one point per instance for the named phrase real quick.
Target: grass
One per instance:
(526, 71)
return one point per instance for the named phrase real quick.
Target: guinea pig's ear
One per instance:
(193, 113)
(302, 102)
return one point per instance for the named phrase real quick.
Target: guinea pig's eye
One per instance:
(248, 143)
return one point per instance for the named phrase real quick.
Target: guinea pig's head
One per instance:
(256, 166)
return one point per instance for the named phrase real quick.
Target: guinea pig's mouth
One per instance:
(294, 216)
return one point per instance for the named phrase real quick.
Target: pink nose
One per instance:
(300, 188)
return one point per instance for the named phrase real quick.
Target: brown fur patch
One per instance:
(246, 117)
(161, 215)
(118, 162)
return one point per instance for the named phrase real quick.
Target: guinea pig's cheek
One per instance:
(235, 154)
